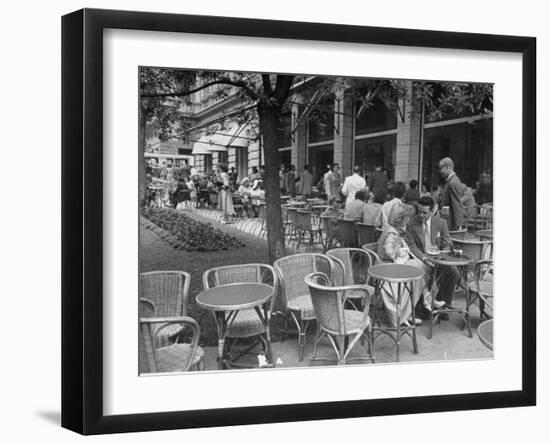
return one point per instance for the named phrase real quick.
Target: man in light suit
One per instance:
(425, 231)
(352, 184)
(452, 194)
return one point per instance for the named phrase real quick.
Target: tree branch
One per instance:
(239, 84)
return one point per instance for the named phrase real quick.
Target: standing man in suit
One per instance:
(352, 184)
(452, 194)
(378, 181)
(426, 231)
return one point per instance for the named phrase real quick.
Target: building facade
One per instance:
(321, 129)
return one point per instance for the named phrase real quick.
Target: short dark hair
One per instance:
(413, 184)
(399, 189)
(380, 196)
(254, 169)
(426, 201)
(306, 167)
(360, 195)
(357, 169)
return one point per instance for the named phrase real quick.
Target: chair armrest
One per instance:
(181, 320)
(361, 288)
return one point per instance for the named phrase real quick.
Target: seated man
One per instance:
(354, 209)
(426, 231)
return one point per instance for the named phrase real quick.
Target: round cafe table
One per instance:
(440, 260)
(227, 300)
(396, 281)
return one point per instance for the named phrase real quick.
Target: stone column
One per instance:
(344, 103)
(299, 137)
(407, 143)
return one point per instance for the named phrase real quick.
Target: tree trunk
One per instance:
(274, 221)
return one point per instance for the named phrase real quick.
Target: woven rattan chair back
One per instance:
(356, 264)
(365, 233)
(348, 233)
(327, 226)
(473, 248)
(293, 220)
(304, 220)
(293, 269)
(327, 302)
(168, 290)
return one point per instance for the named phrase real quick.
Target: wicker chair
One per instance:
(292, 214)
(336, 322)
(307, 230)
(296, 300)
(478, 251)
(365, 233)
(169, 292)
(372, 248)
(174, 357)
(348, 234)
(355, 265)
(238, 205)
(330, 237)
(246, 323)
(481, 288)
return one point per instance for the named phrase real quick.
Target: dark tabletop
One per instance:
(235, 296)
(395, 272)
(447, 259)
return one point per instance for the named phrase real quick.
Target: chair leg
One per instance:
(300, 325)
(341, 343)
(301, 343)
(318, 338)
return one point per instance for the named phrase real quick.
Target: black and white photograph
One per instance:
(301, 220)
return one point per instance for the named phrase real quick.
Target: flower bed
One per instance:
(188, 234)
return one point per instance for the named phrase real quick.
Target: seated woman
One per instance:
(392, 247)
(371, 210)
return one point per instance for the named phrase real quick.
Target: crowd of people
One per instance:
(410, 220)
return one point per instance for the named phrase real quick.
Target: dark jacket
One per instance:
(452, 197)
(414, 235)
(378, 181)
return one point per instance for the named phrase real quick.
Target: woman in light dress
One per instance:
(392, 247)
(225, 196)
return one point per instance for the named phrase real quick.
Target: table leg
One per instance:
(221, 325)
(434, 293)
(266, 320)
(468, 301)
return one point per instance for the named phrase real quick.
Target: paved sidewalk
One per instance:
(448, 343)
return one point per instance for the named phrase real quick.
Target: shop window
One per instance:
(469, 145)
(376, 118)
(376, 151)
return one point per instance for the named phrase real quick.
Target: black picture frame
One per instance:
(82, 218)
